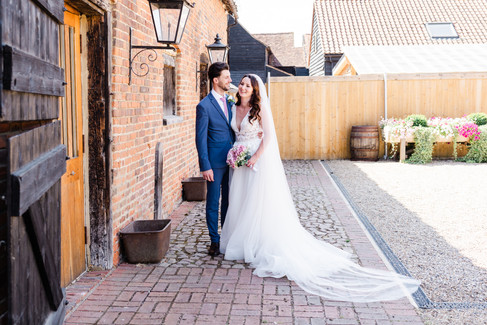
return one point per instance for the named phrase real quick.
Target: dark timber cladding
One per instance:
(246, 54)
(32, 161)
(26, 73)
(99, 51)
(3, 206)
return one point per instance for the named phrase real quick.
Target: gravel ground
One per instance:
(434, 218)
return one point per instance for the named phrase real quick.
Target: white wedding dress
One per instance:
(262, 228)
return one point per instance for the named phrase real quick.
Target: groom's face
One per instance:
(223, 81)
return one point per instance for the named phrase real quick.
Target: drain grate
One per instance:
(419, 296)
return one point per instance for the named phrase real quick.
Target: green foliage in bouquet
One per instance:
(424, 139)
(418, 120)
(478, 148)
(478, 118)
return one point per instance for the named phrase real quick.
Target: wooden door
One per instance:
(32, 161)
(73, 255)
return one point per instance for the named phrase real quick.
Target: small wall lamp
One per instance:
(218, 52)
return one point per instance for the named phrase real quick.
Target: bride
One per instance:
(262, 225)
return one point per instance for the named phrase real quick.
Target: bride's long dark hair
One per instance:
(254, 101)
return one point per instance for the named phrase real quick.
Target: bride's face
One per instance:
(245, 88)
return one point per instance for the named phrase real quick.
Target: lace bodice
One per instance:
(248, 133)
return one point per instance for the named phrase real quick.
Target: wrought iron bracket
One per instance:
(152, 56)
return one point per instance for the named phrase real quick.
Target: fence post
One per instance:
(385, 110)
(269, 87)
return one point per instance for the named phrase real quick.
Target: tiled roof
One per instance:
(397, 22)
(231, 7)
(307, 45)
(282, 46)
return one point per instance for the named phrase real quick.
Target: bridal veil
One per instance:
(264, 230)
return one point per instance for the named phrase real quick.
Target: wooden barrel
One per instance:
(364, 142)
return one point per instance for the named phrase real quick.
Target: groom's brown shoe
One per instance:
(214, 249)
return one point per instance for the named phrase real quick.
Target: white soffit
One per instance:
(417, 58)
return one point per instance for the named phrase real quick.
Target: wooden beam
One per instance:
(402, 150)
(89, 8)
(26, 73)
(31, 181)
(43, 256)
(1, 67)
(158, 182)
(54, 8)
(27, 146)
(341, 66)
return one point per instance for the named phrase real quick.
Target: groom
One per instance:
(214, 138)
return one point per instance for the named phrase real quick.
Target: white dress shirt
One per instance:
(218, 99)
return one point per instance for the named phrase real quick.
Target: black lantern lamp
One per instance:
(169, 18)
(217, 51)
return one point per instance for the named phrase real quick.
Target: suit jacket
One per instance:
(214, 135)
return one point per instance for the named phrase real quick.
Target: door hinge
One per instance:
(86, 235)
(80, 43)
(82, 143)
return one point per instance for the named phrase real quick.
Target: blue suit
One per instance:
(214, 138)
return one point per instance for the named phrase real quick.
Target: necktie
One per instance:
(225, 109)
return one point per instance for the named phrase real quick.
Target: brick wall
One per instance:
(137, 123)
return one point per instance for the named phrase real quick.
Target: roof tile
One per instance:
(371, 22)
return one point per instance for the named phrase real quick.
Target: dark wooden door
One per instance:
(33, 157)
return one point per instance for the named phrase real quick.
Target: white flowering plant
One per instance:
(393, 128)
(443, 127)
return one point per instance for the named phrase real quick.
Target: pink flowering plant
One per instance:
(469, 130)
(437, 129)
(477, 153)
(238, 156)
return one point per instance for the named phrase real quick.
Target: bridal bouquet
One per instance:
(238, 156)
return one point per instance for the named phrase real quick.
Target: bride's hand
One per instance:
(252, 161)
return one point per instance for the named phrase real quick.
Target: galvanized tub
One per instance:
(146, 241)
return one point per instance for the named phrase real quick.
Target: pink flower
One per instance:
(237, 156)
(468, 130)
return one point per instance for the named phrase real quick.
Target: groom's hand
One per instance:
(208, 175)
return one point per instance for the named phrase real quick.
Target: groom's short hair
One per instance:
(215, 70)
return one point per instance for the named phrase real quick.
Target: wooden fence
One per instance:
(314, 115)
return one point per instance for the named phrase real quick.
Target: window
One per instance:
(70, 112)
(169, 91)
(204, 84)
(441, 30)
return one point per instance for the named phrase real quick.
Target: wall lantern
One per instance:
(169, 18)
(217, 51)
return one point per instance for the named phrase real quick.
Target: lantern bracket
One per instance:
(151, 56)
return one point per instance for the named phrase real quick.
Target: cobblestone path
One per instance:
(189, 287)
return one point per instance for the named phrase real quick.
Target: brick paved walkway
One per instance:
(189, 287)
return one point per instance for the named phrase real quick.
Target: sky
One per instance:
(276, 16)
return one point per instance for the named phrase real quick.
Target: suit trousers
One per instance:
(219, 185)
